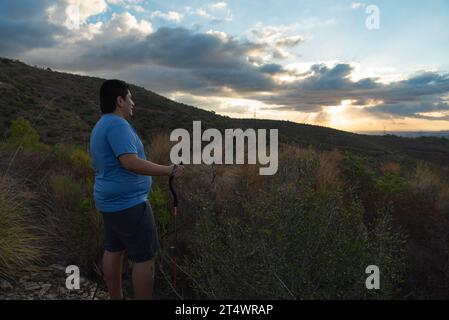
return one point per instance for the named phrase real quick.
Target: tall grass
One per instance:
(21, 245)
(434, 185)
(61, 212)
(79, 223)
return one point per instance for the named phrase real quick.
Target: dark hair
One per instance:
(109, 91)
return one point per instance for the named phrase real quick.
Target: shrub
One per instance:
(297, 237)
(23, 134)
(159, 203)
(73, 159)
(281, 246)
(391, 184)
(81, 162)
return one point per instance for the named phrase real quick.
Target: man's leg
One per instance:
(112, 271)
(143, 280)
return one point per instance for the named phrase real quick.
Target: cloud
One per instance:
(323, 86)
(26, 26)
(271, 68)
(203, 13)
(169, 16)
(211, 58)
(277, 39)
(357, 5)
(39, 24)
(416, 109)
(227, 17)
(291, 41)
(126, 23)
(124, 3)
(71, 13)
(156, 79)
(321, 77)
(136, 8)
(218, 5)
(91, 47)
(198, 61)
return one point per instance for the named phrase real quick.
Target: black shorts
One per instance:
(133, 230)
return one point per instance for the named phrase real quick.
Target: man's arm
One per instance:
(133, 163)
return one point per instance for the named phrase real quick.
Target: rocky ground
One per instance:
(48, 283)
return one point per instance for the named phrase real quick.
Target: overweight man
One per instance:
(122, 183)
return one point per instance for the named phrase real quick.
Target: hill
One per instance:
(64, 107)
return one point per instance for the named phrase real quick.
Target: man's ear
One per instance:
(119, 101)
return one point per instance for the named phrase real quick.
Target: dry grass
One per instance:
(160, 147)
(21, 246)
(66, 191)
(432, 184)
(289, 153)
(326, 171)
(327, 174)
(425, 179)
(390, 167)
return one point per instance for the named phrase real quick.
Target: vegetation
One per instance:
(338, 203)
(21, 244)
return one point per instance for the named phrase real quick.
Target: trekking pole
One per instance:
(174, 211)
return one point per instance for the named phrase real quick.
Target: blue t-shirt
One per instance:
(116, 188)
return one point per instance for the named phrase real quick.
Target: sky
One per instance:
(349, 65)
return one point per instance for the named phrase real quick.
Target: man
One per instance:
(122, 183)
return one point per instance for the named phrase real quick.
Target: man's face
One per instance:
(126, 106)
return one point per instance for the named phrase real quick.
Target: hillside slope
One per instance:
(64, 107)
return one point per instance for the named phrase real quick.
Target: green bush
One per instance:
(159, 203)
(74, 159)
(81, 162)
(23, 134)
(283, 244)
(392, 184)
